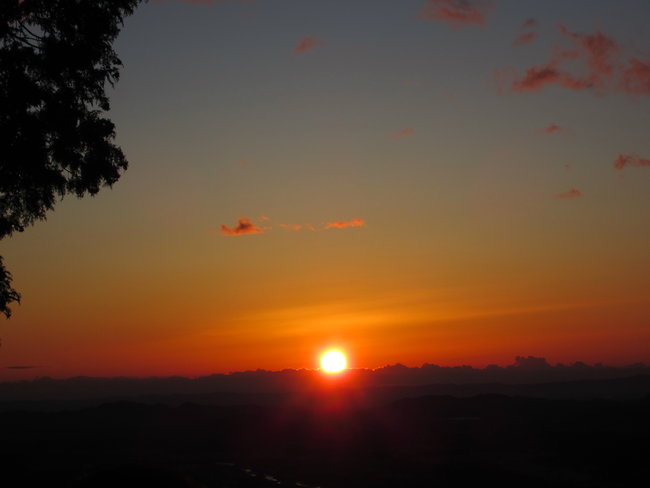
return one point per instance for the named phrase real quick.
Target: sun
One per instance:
(333, 361)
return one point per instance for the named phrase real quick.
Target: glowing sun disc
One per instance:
(333, 362)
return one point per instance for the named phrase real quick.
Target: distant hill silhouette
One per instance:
(528, 376)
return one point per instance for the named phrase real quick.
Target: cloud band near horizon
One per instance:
(245, 226)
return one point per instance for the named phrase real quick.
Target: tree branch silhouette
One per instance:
(56, 58)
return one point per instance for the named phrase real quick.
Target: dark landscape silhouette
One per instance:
(530, 424)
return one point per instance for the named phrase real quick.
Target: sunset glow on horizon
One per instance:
(415, 181)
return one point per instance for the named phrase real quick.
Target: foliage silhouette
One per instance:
(56, 58)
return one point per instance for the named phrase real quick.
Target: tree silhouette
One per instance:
(56, 59)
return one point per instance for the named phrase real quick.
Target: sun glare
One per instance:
(333, 361)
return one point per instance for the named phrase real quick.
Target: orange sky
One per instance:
(404, 187)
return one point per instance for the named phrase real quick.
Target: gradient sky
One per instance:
(412, 181)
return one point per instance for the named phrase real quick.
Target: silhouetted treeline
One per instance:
(529, 376)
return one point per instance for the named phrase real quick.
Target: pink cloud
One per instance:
(525, 38)
(244, 226)
(457, 12)
(636, 77)
(293, 227)
(530, 23)
(342, 224)
(572, 193)
(307, 44)
(536, 77)
(552, 128)
(599, 49)
(589, 61)
(630, 160)
(401, 134)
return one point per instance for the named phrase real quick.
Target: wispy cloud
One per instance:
(457, 13)
(529, 23)
(549, 74)
(401, 134)
(568, 195)
(21, 367)
(583, 62)
(339, 224)
(599, 48)
(552, 129)
(244, 226)
(307, 44)
(630, 160)
(343, 224)
(524, 38)
(292, 227)
(536, 77)
(527, 36)
(636, 77)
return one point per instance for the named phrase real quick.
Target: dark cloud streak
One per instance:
(244, 226)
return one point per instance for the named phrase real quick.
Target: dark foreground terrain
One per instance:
(439, 441)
